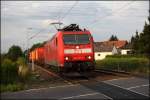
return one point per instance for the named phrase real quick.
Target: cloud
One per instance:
(35, 5)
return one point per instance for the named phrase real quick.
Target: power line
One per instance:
(39, 32)
(118, 10)
(111, 14)
(58, 17)
(60, 13)
(69, 11)
(36, 34)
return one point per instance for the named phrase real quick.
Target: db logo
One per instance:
(78, 51)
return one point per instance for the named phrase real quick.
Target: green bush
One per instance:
(11, 87)
(14, 71)
(8, 72)
(21, 61)
(125, 63)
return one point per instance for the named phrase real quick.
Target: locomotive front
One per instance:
(78, 50)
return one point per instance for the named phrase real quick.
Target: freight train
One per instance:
(69, 50)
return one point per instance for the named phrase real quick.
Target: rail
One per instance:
(116, 72)
(122, 73)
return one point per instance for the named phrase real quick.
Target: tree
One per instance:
(3, 56)
(140, 42)
(144, 39)
(132, 39)
(146, 32)
(14, 52)
(113, 38)
(135, 42)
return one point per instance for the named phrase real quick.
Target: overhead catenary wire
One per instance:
(36, 34)
(61, 19)
(69, 13)
(74, 9)
(39, 31)
(117, 11)
(95, 21)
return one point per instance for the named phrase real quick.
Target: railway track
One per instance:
(113, 72)
(48, 71)
(75, 78)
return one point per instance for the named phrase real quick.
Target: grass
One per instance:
(135, 64)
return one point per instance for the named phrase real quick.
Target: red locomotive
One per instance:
(70, 49)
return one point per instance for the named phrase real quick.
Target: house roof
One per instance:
(127, 46)
(107, 46)
(117, 44)
(102, 47)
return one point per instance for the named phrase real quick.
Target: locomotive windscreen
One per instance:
(76, 38)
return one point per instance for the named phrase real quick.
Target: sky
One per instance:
(21, 20)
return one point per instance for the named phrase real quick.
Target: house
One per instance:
(126, 49)
(102, 49)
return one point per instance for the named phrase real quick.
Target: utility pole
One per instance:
(29, 38)
(27, 48)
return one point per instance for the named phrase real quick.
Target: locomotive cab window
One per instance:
(82, 39)
(69, 39)
(76, 38)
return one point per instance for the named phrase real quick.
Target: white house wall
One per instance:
(124, 52)
(102, 55)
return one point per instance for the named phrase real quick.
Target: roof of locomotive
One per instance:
(74, 28)
(74, 32)
(71, 29)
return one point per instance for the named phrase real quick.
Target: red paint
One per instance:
(54, 51)
(40, 54)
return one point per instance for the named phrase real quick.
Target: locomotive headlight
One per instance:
(89, 57)
(66, 58)
(77, 47)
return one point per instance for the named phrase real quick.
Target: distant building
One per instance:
(126, 49)
(102, 49)
(117, 44)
